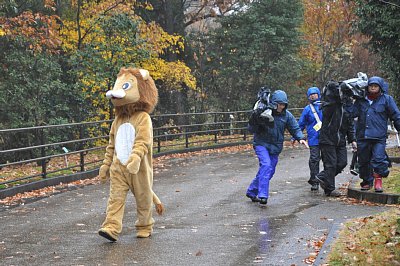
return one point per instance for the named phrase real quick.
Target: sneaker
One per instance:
(263, 201)
(333, 193)
(314, 187)
(253, 198)
(321, 182)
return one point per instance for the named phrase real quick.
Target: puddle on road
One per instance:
(265, 239)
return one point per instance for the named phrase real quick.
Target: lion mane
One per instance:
(147, 91)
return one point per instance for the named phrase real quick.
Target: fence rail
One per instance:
(35, 157)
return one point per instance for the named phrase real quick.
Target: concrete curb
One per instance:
(326, 247)
(369, 195)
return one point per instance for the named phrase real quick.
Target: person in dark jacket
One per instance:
(337, 126)
(373, 112)
(311, 120)
(268, 144)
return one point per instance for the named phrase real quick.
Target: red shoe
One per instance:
(378, 183)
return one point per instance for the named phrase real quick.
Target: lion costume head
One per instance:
(134, 90)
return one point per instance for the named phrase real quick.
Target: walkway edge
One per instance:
(371, 196)
(326, 247)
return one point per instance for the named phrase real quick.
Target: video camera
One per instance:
(261, 117)
(263, 107)
(343, 91)
(354, 87)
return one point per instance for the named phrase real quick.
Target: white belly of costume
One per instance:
(124, 142)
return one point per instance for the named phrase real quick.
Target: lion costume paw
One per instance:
(133, 164)
(104, 173)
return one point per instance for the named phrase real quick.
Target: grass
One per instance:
(393, 152)
(391, 184)
(372, 240)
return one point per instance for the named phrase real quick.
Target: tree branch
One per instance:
(389, 3)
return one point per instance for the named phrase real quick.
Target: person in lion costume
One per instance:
(129, 155)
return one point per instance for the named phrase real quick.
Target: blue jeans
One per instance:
(267, 164)
(372, 158)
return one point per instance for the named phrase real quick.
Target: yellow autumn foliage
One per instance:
(327, 29)
(173, 75)
(327, 24)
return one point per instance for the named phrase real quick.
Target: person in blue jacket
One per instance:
(373, 112)
(311, 120)
(268, 144)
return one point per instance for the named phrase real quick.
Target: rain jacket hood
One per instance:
(314, 90)
(380, 82)
(279, 96)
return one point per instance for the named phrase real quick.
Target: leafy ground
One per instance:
(372, 240)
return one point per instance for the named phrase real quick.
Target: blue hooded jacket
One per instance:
(372, 118)
(307, 119)
(272, 138)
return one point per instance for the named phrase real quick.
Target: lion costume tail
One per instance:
(159, 206)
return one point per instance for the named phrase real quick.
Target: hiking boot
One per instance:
(378, 183)
(333, 193)
(263, 201)
(314, 187)
(253, 198)
(321, 182)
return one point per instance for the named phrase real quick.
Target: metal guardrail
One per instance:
(36, 148)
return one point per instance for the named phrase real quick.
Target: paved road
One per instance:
(208, 219)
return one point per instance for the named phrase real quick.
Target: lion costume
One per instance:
(129, 155)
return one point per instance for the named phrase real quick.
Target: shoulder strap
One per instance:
(315, 113)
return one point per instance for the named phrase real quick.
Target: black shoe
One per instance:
(263, 201)
(253, 199)
(314, 187)
(365, 185)
(321, 183)
(333, 193)
(107, 236)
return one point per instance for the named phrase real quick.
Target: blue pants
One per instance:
(372, 158)
(267, 164)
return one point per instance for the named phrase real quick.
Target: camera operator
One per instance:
(373, 111)
(337, 126)
(268, 142)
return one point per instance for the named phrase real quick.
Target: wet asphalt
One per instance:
(208, 219)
